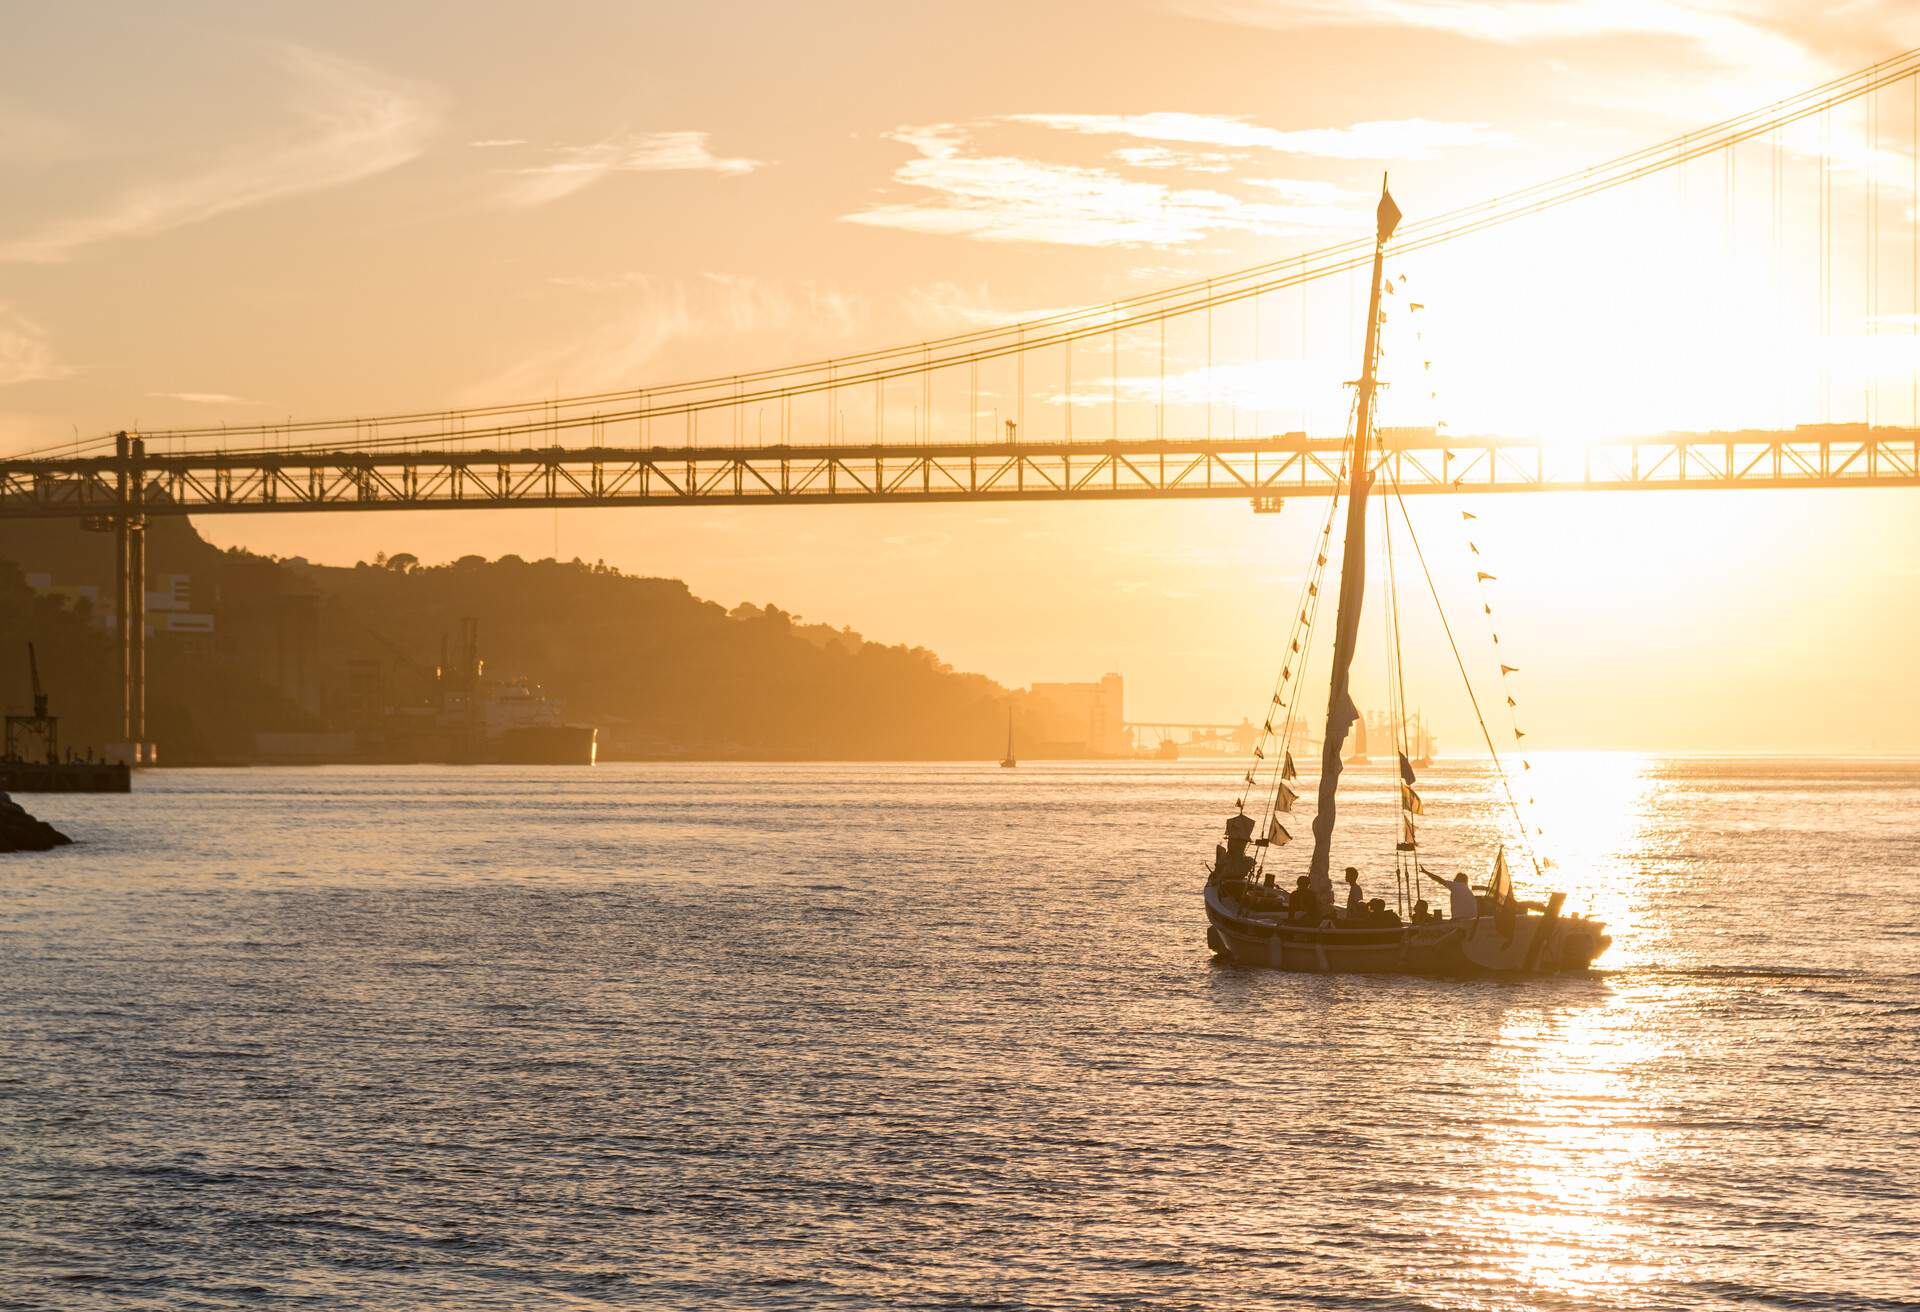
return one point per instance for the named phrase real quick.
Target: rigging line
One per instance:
(1391, 646)
(1317, 595)
(1513, 718)
(1305, 627)
(1397, 706)
(1307, 601)
(1443, 227)
(1312, 593)
(1506, 785)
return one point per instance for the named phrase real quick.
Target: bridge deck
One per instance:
(1260, 469)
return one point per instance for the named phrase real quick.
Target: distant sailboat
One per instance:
(1359, 756)
(1252, 922)
(1007, 762)
(1422, 742)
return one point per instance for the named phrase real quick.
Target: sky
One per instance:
(241, 212)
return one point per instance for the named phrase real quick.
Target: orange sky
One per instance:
(246, 214)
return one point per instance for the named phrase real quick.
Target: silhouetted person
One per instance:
(1303, 908)
(1356, 900)
(1422, 913)
(1377, 914)
(1463, 908)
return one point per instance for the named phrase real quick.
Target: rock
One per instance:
(21, 832)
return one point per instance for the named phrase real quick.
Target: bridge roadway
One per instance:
(1260, 469)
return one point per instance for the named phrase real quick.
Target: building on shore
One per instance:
(1073, 719)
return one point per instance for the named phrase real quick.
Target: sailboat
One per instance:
(1007, 762)
(1422, 742)
(1359, 756)
(1252, 922)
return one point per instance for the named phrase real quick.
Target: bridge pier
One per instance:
(130, 604)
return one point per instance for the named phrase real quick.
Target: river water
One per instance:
(701, 1036)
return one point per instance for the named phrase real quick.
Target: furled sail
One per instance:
(1341, 712)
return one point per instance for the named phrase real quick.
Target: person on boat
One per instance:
(1356, 900)
(1303, 908)
(1464, 908)
(1422, 913)
(1377, 914)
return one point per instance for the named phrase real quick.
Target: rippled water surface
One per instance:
(941, 1036)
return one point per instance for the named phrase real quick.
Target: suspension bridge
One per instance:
(954, 419)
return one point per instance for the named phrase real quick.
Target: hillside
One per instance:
(295, 646)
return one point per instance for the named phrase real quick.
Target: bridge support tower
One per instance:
(129, 525)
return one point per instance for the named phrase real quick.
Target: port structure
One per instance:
(121, 491)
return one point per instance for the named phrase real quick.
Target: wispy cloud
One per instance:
(355, 123)
(496, 143)
(658, 314)
(202, 398)
(25, 355)
(1411, 138)
(1193, 161)
(1729, 34)
(1006, 198)
(948, 304)
(575, 168)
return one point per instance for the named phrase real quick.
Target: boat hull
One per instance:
(1538, 945)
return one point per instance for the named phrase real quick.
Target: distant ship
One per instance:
(475, 720)
(1007, 762)
(520, 725)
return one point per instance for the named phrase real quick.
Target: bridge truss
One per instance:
(1257, 469)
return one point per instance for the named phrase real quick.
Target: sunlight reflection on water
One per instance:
(946, 1036)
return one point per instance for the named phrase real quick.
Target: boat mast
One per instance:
(1341, 711)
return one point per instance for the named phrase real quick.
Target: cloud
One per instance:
(1193, 161)
(1411, 138)
(1004, 198)
(202, 398)
(1714, 26)
(25, 356)
(495, 143)
(575, 168)
(660, 314)
(949, 305)
(354, 123)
